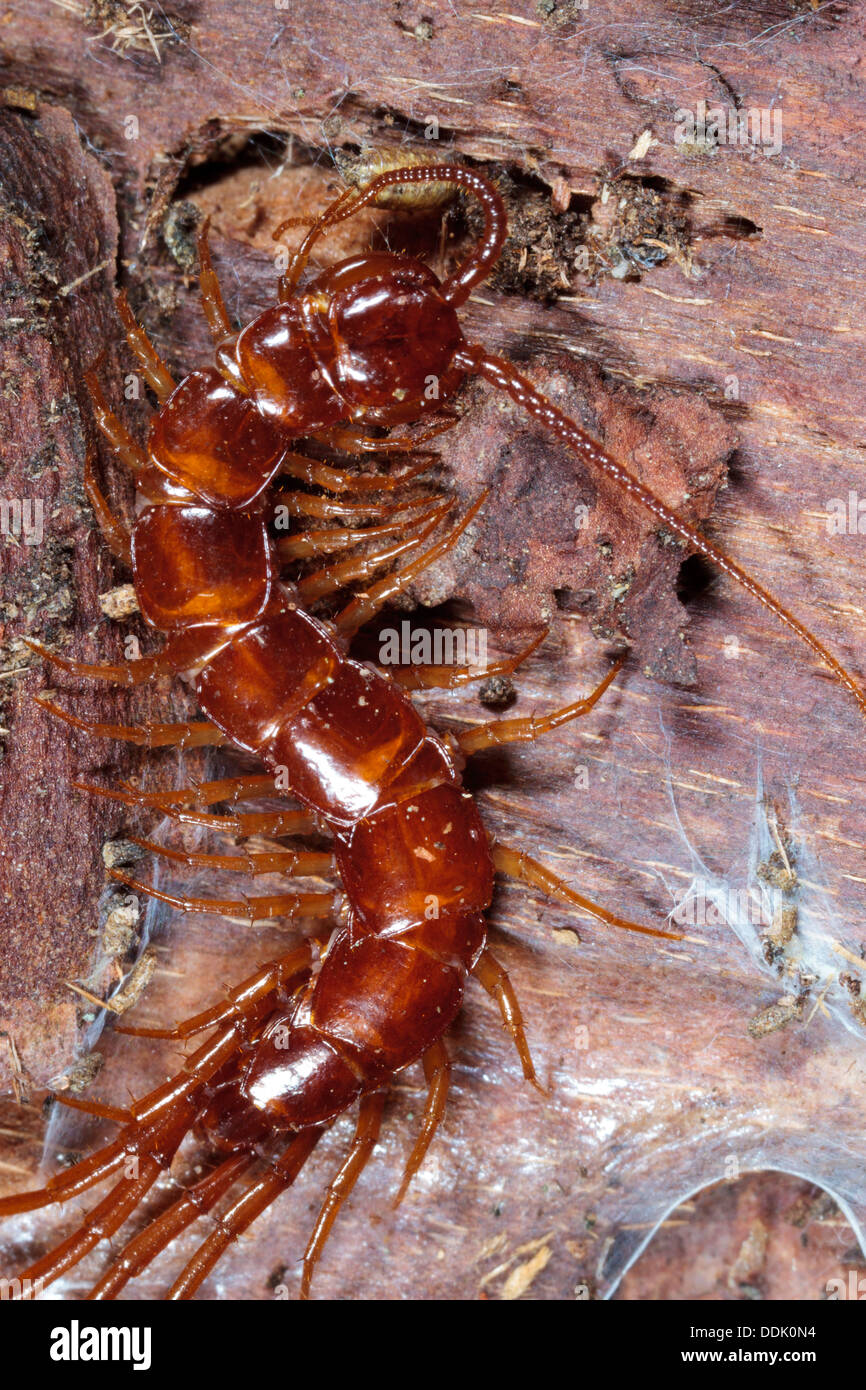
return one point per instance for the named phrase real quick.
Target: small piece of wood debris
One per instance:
(642, 145)
(22, 98)
(807, 1209)
(137, 981)
(19, 1079)
(777, 1016)
(750, 1260)
(497, 692)
(120, 928)
(520, 1279)
(120, 602)
(120, 854)
(560, 194)
(80, 1075)
(783, 926)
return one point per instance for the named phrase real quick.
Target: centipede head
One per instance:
(387, 335)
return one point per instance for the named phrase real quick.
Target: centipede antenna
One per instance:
(503, 376)
(457, 288)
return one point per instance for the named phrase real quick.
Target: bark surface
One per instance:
(699, 304)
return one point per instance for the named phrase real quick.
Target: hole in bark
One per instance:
(545, 246)
(657, 183)
(450, 615)
(237, 150)
(401, 124)
(574, 600)
(231, 178)
(735, 227)
(695, 578)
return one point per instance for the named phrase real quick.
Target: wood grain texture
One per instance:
(57, 226)
(748, 332)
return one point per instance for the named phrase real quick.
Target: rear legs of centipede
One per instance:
(152, 1131)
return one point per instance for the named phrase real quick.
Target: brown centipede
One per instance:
(303, 1039)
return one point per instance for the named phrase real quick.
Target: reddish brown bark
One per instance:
(746, 332)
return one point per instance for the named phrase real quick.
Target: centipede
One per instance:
(329, 1024)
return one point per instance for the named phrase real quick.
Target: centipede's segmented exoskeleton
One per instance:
(302, 1040)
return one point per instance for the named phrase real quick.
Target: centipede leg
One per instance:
(209, 285)
(184, 735)
(341, 480)
(246, 1209)
(365, 605)
(181, 651)
(143, 1249)
(450, 677)
(351, 441)
(329, 540)
(208, 793)
(172, 804)
(160, 1118)
(302, 504)
(437, 1069)
(518, 865)
(332, 577)
(254, 909)
(154, 370)
(363, 1144)
(115, 534)
(93, 1170)
(247, 823)
(94, 1107)
(494, 978)
(502, 731)
(271, 978)
(298, 260)
(113, 429)
(63, 1186)
(292, 863)
(98, 1225)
